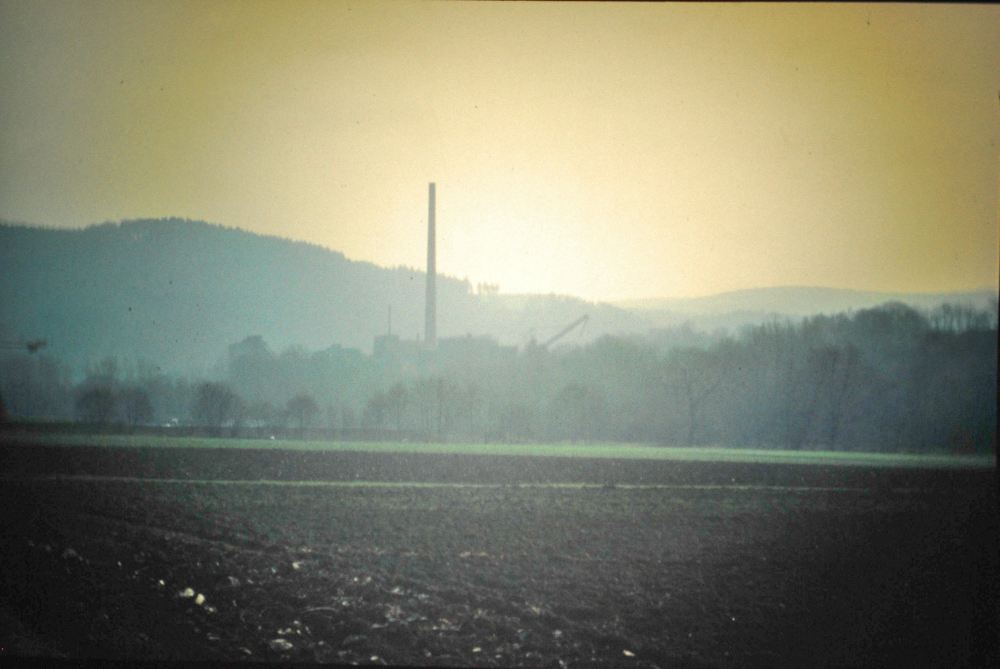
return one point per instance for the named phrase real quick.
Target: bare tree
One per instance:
(840, 390)
(513, 423)
(470, 410)
(105, 373)
(572, 411)
(813, 385)
(136, 405)
(332, 413)
(395, 404)
(348, 416)
(260, 413)
(213, 405)
(697, 374)
(97, 400)
(443, 398)
(239, 413)
(374, 413)
(959, 318)
(96, 404)
(302, 409)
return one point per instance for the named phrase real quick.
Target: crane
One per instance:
(566, 330)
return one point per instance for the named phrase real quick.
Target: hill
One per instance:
(803, 301)
(178, 292)
(734, 309)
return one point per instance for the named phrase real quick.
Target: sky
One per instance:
(609, 151)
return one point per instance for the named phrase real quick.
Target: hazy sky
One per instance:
(601, 150)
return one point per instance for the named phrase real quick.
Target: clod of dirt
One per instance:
(323, 654)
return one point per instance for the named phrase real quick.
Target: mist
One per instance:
(499, 334)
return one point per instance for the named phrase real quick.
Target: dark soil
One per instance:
(506, 575)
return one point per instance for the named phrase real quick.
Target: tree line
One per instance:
(884, 379)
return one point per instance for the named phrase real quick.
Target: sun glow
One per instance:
(606, 151)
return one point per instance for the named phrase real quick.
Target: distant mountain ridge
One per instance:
(177, 293)
(803, 301)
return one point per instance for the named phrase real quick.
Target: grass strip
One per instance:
(604, 451)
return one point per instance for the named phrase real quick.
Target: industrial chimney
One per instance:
(430, 313)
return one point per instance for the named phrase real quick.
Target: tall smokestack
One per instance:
(430, 313)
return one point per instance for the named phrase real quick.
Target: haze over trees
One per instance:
(215, 404)
(883, 379)
(177, 292)
(148, 324)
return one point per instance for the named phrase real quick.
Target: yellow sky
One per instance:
(603, 150)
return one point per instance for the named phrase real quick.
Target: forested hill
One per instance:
(176, 293)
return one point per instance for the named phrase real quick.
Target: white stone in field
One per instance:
(186, 593)
(628, 653)
(200, 599)
(279, 644)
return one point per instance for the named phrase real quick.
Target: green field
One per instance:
(617, 451)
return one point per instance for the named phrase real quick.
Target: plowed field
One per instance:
(699, 564)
